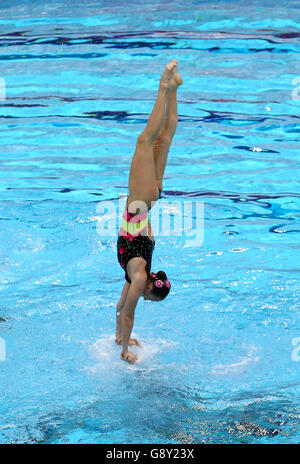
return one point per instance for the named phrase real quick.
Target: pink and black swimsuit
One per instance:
(133, 240)
(134, 245)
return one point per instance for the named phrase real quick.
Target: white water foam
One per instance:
(236, 367)
(107, 354)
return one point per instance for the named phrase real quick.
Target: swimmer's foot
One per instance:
(170, 78)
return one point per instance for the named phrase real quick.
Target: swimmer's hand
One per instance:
(132, 341)
(129, 357)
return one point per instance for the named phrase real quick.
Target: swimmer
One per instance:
(136, 241)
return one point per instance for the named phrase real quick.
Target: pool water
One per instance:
(220, 359)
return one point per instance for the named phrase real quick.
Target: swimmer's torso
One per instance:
(135, 240)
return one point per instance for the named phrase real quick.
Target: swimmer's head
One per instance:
(158, 286)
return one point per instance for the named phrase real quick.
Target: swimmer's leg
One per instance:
(142, 177)
(163, 142)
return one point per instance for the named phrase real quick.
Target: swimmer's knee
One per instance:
(143, 139)
(164, 139)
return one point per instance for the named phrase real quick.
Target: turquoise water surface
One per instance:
(220, 359)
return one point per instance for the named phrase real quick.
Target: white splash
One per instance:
(223, 369)
(107, 354)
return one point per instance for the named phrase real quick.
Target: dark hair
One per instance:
(161, 285)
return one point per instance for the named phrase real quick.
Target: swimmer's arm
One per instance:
(120, 307)
(127, 317)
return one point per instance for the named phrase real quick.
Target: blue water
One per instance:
(218, 364)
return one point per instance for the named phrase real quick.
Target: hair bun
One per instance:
(161, 275)
(161, 285)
